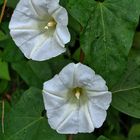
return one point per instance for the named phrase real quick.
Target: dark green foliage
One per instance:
(106, 32)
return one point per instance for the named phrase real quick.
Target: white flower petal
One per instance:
(53, 101)
(22, 29)
(64, 119)
(25, 22)
(85, 121)
(29, 46)
(99, 84)
(61, 16)
(21, 36)
(68, 114)
(102, 101)
(96, 87)
(48, 49)
(52, 1)
(52, 5)
(83, 75)
(33, 8)
(67, 75)
(98, 115)
(27, 28)
(76, 75)
(34, 44)
(56, 87)
(62, 34)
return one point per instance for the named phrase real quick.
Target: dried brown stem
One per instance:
(82, 56)
(2, 118)
(70, 137)
(3, 10)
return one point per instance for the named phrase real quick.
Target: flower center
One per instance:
(77, 92)
(52, 23)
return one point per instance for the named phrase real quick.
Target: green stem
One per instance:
(127, 89)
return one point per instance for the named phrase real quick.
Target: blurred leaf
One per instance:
(134, 133)
(1, 2)
(102, 138)
(12, 3)
(2, 36)
(108, 30)
(16, 95)
(41, 69)
(113, 120)
(25, 122)
(58, 63)
(126, 97)
(77, 54)
(136, 42)
(27, 74)
(118, 137)
(4, 72)
(32, 72)
(84, 137)
(74, 25)
(5, 27)
(3, 85)
(11, 52)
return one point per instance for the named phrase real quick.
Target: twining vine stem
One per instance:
(3, 10)
(82, 56)
(2, 118)
(70, 137)
(3, 103)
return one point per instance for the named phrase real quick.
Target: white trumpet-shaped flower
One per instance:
(39, 28)
(76, 100)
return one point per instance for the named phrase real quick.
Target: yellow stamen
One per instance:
(52, 23)
(77, 93)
